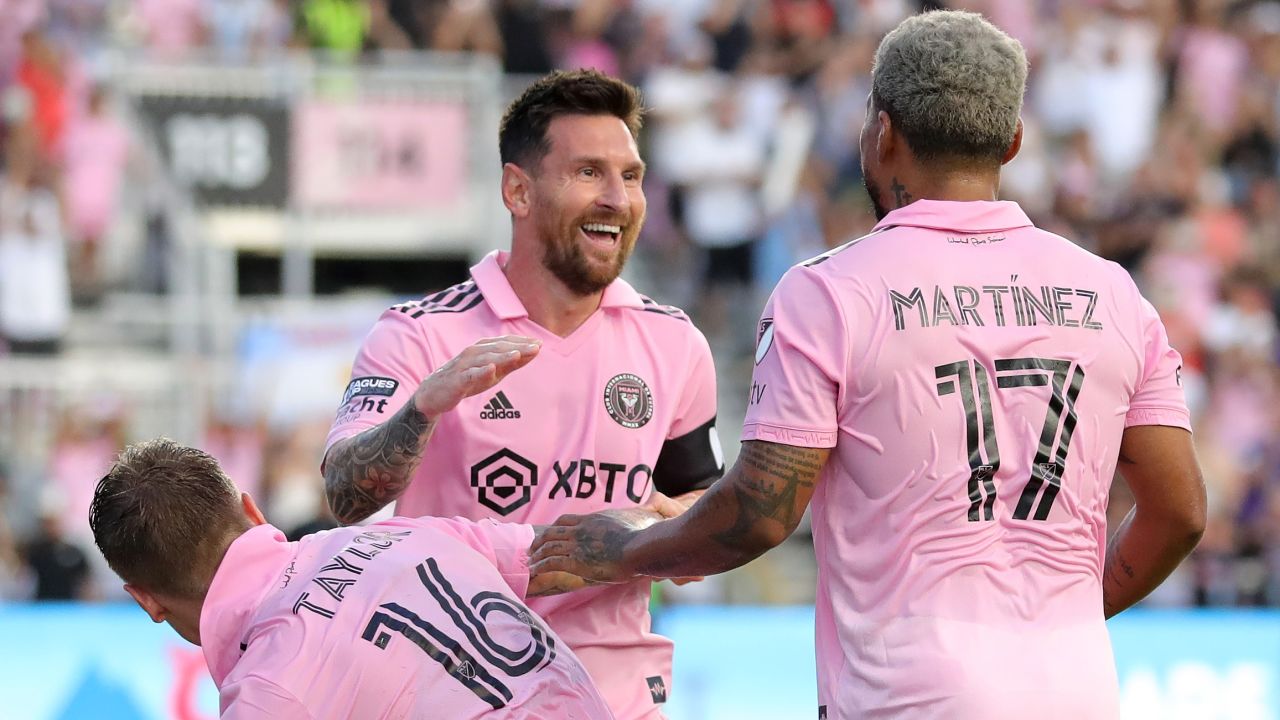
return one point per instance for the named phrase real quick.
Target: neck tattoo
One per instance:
(900, 195)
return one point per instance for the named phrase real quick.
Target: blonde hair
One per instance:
(953, 84)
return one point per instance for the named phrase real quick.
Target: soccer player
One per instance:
(954, 392)
(617, 399)
(409, 618)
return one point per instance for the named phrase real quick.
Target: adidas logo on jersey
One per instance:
(499, 408)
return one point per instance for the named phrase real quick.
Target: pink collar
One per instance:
(253, 566)
(971, 217)
(497, 291)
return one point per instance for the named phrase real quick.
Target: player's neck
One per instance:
(955, 185)
(548, 301)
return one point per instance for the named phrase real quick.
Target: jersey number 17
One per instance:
(969, 379)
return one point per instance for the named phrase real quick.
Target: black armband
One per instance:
(690, 462)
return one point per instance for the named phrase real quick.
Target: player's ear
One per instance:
(251, 510)
(886, 138)
(516, 185)
(148, 602)
(1015, 146)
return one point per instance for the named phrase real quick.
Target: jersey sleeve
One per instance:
(391, 363)
(1158, 398)
(506, 545)
(256, 698)
(800, 365)
(691, 457)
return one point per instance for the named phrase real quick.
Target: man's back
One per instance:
(407, 618)
(983, 373)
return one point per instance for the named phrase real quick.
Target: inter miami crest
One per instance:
(628, 400)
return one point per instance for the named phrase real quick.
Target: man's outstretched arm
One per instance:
(753, 508)
(365, 472)
(1167, 519)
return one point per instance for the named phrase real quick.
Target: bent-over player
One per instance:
(409, 618)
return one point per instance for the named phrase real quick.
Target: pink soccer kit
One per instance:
(973, 375)
(409, 618)
(623, 405)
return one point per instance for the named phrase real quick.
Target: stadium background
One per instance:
(205, 203)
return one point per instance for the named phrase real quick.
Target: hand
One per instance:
(672, 507)
(582, 550)
(472, 371)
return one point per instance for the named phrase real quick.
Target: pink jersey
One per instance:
(974, 376)
(597, 420)
(409, 618)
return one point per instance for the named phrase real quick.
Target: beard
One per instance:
(568, 261)
(873, 191)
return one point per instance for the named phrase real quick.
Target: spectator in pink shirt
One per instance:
(97, 151)
(170, 29)
(405, 618)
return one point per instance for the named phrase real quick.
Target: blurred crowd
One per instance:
(1152, 138)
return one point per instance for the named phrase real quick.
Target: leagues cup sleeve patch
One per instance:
(764, 339)
(628, 400)
(369, 386)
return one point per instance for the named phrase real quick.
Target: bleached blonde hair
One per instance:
(952, 83)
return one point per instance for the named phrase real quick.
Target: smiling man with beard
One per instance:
(615, 410)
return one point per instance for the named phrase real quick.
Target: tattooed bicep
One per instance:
(785, 462)
(776, 481)
(768, 491)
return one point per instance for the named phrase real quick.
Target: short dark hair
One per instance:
(163, 516)
(522, 137)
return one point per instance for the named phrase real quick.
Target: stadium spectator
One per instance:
(169, 29)
(89, 434)
(618, 400)
(14, 576)
(467, 26)
(338, 26)
(97, 153)
(58, 566)
(42, 74)
(346, 28)
(944, 549)
(243, 30)
(523, 28)
(718, 157)
(35, 292)
(352, 623)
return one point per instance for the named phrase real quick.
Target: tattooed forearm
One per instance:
(773, 487)
(1116, 575)
(752, 509)
(364, 473)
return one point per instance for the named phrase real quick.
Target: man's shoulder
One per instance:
(859, 247)
(651, 310)
(455, 301)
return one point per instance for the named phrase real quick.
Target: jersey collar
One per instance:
(977, 216)
(253, 566)
(497, 291)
